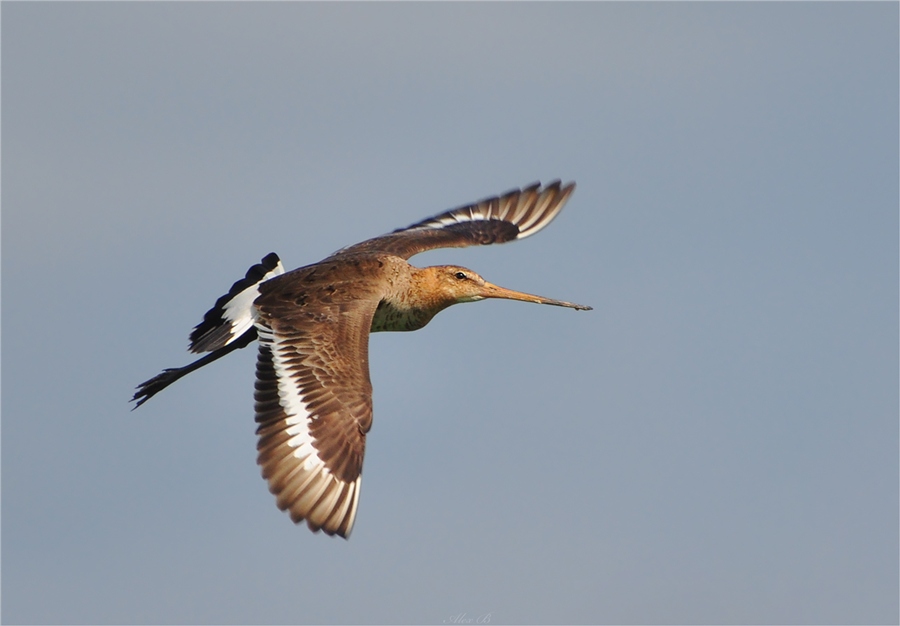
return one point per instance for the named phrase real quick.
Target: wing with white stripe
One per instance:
(231, 316)
(517, 214)
(313, 404)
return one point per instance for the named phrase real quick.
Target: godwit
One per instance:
(313, 394)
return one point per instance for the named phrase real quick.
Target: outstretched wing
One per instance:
(313, 397)
(514, 215)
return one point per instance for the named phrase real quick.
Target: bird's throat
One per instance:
(393, 316)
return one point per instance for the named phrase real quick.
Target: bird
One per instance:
(313, 395)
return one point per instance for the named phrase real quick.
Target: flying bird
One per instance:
(313, 397)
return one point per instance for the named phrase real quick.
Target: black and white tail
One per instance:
(226, 327)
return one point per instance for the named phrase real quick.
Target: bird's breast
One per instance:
(396, 317)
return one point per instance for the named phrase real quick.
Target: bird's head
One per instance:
(451, 284)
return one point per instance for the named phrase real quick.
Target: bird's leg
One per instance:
(148, 389)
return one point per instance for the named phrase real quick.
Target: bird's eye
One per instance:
(461, 275)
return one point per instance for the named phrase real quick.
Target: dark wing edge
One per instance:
(516, 214)
(231, 316)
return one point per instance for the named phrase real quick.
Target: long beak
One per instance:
(493, 291)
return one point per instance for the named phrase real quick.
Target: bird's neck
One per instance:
(412, 303)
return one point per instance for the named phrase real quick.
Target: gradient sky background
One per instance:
(716, 442)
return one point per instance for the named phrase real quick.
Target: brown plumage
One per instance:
(313, 393)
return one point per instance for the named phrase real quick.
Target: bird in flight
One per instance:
(313, 396)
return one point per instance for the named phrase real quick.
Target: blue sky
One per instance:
(716, 442)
